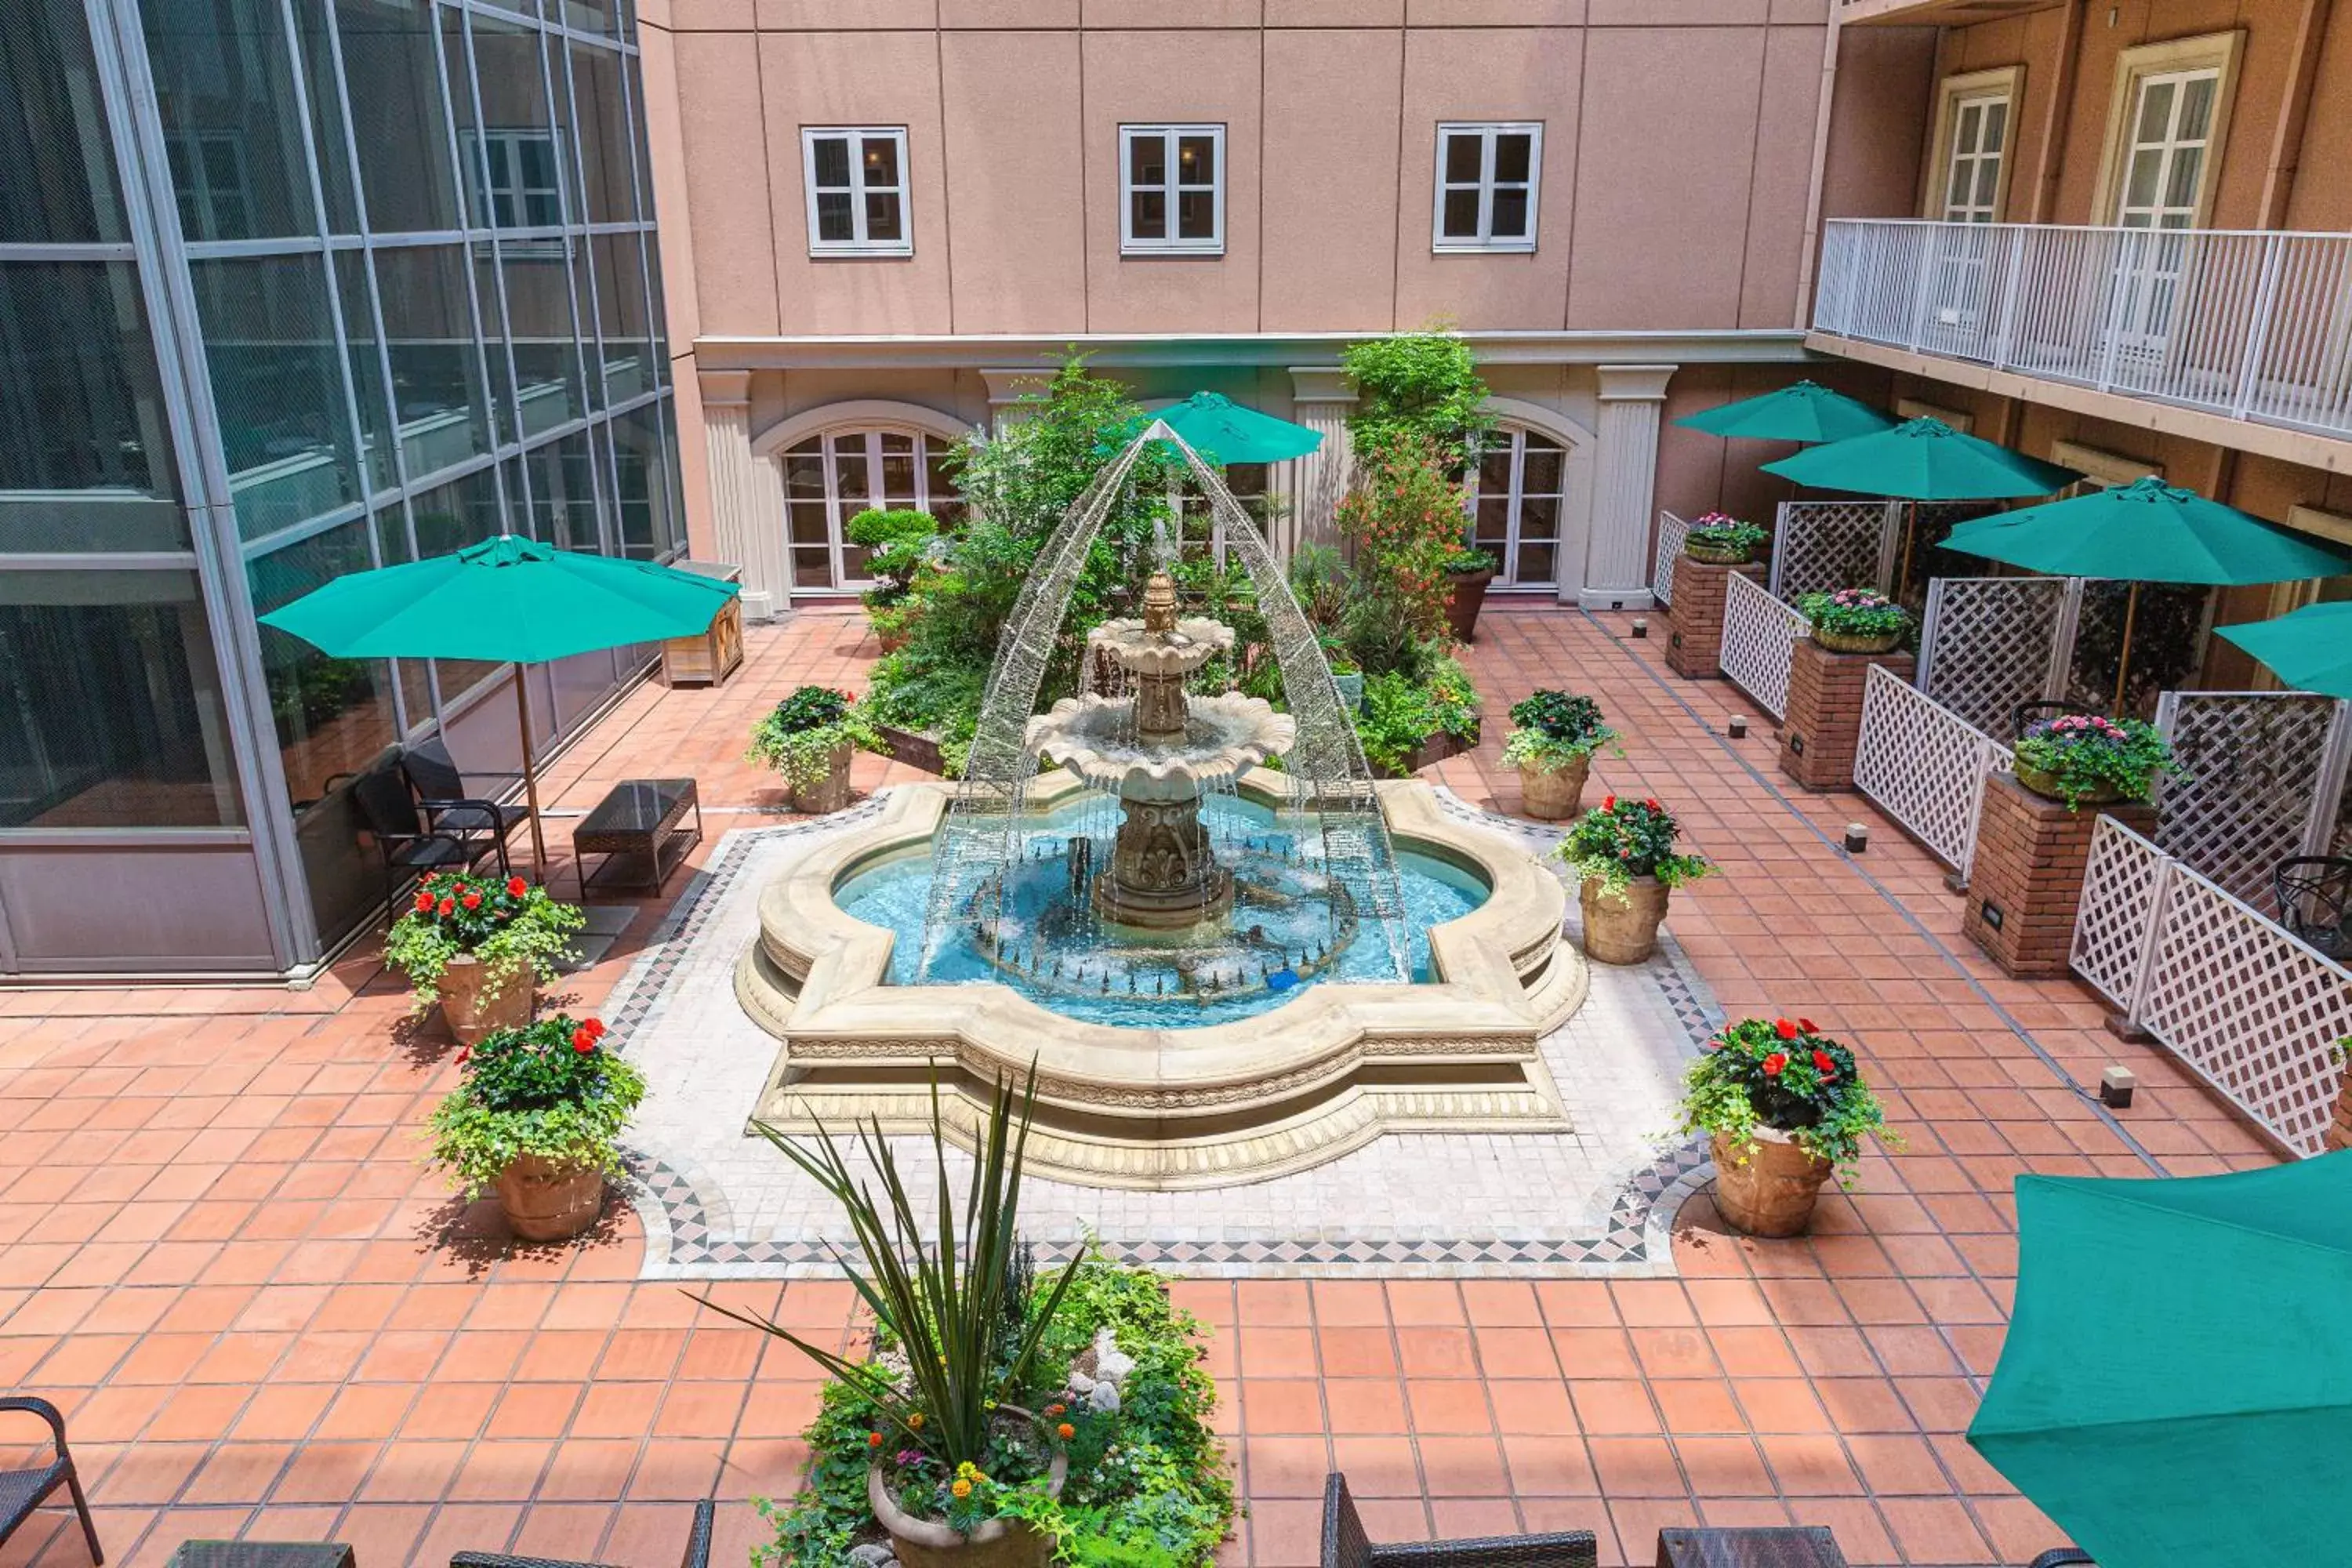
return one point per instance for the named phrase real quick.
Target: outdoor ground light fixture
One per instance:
(2116, 1086)
(1736, 728)
(1857, 838)
(1641, 625)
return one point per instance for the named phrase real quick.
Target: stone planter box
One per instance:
(916, 748)
(1430, 753)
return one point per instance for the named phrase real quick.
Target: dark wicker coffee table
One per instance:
(261, 1554)
(641, 828)
(1772, 1546)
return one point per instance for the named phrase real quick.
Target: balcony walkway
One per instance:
(219, 1252)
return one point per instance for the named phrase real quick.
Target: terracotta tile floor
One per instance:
(219, 1253)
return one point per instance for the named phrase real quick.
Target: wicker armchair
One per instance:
(698, 1549)
(1344, 1545)
(2064, 1557)
(22, 1491)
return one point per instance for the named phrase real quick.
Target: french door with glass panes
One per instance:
(2164, 168)
(1517, 505)
(832, 477)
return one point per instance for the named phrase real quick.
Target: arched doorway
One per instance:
(840, 459)
(1530, 505)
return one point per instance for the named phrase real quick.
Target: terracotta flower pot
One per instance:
(829, 793)
(891, 642)
(927, 1544)
(1855, 642)
(1733, 555)
(544, 1201)
(1773, 1191)
(473, 1011)
(2035, 781)
(1462, 609)
(1623, 928)
(1554, 795)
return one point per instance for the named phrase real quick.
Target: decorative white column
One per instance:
(1007, 389)
(747, 495)
(1624, 484)
(1323, 399)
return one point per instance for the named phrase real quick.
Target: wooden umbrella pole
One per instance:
(529, 774)
(2123, 660)
(1910, 539)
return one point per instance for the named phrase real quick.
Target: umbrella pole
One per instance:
(2122, 662)
(529, 773)
(1910, 538)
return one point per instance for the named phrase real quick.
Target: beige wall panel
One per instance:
(727, 185)
(1885, 78)
(1008, 13)
(1335, 12)
(1152, 78)
(856, 78)
(1678, 14)
(1014, 181)
(665, 145)
(1789, 110)
(2322, 196)
(1662, 177)
(712, 15)
(1331, 179)
(1190, 17)
(1494, 13)
(1488, 74)
(825, 16)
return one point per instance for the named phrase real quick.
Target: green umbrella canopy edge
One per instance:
(2148, 532)
(1922, 459)
(2310, 650)
(1227, 431)
(1804, 411)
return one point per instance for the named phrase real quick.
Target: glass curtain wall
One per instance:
(415, 242)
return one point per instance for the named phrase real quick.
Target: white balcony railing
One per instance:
(2249, 324)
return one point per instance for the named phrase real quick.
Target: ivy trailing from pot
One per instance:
(1722, 539)
(1855, 620)
(1553, 736)
(807, 739)
(537, 1118)
(480, 946)
(1785, 1107)
(1624, 854)
(2086, 759)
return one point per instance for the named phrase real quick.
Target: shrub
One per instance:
(510, 926)
(1782, 1074)
(1465, 560)
(1405, 520)
(553, 1089)
(1554, 729)
(1623, 839)
(899, 544)
(1417, 388)
(2085, 754)
(1401, 711)
(798, 736)
(1855, 612)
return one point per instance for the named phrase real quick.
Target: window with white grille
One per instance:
(1487, 177)
(1171, 186)
(856, 182)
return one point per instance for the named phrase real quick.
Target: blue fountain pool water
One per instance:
(1110, 976)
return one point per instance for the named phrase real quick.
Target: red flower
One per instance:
(1653, 805)
(1774, 1063)
(425, 903)
(448, 906)
(473, 898)
(595, 1027)
(517, 886)
(1785, 1029)
(1821, 1062)
(583, 1041)
(1807, 1025)
(1065, 1431)
(1609, 804)
(874, 1439)
(465, 1054)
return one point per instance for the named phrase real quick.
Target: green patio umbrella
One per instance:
(1220, 429)
(2146, 532)
(507, 600)
(2311, 649)
(1807, 412)
(2176, 1387)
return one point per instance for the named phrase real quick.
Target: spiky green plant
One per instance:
(949, 1299)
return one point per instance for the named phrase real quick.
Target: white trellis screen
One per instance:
(1988, 644)
(2248, 1007)
(1925, 765)
(2262, 775)
(1820, 546)
(1671, 531)
(1758, 634)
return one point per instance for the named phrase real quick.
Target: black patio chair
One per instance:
(2315, 900)
(406, 842)
(698, 1549)
(1345, 1546)
(2064, 1557)
(22, 1491)
(2026, 713)
(441, 791)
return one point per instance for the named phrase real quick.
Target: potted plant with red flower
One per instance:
(537, 1119)
(2089, 759)
(1855, 620)
(808, 738)
(1624, 855)
(1722, 540)
(481, 947)
(1784, 1107)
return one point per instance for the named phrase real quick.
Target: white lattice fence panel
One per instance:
(2251, 764)
(1758, 633)
(1988, 645)
(1671, 531)
(1820, 546)
(2253, 1009)
(1924, 766)
(2111, 924)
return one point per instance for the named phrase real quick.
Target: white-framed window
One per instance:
(2164, 157)
(831, 477)
(1517, 506)
(1171, 190)
(1972, 173)
(518, 177)
(856, 176)
(1487, 178)
(1251, 484)
(208, 172)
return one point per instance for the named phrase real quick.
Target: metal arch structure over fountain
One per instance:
(1330, 782)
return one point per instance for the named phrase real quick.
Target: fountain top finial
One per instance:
(1160, 606)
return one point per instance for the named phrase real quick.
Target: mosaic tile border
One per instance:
(691, 1235)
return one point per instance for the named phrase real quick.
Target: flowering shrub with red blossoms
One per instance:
(1783, 1074)
(1405, 520)
(1627, 839)
(504, 922)
(551, 1089)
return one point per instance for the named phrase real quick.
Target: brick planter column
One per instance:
(2339, 1130)
(2027, 878)
(1823, 727)
(1694, 620)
